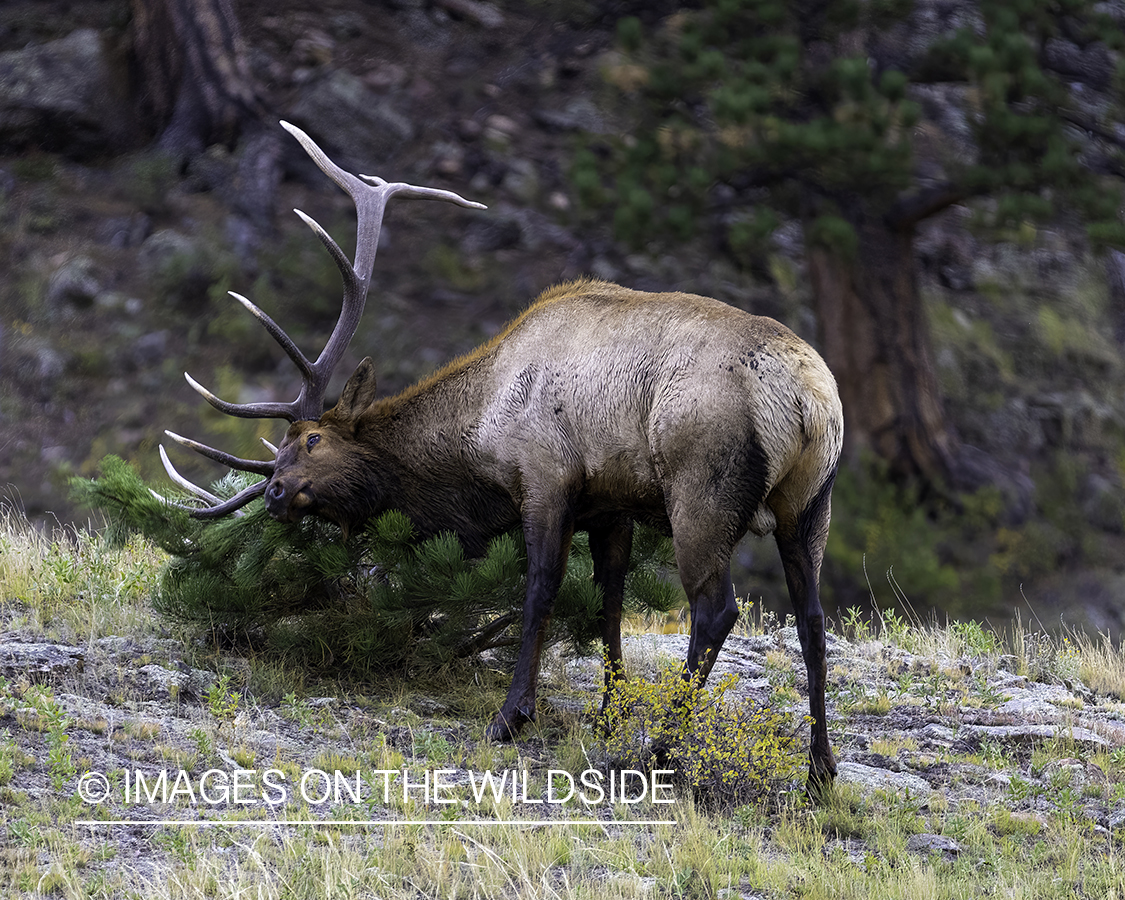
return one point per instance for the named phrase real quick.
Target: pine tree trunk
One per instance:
(875, 339)
(197, 90)
(195, 82)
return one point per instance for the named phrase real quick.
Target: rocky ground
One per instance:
(943, 730)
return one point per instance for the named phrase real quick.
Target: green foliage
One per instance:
(1029, 153)
(883, 537)
(146, 180)
(221, 701)
(976, 639)
(728, 752)
(747, 93)
(36, 166)
(834, 233)
(57, 724)
(748, 235)
(378, 600)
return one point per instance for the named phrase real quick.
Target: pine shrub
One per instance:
(378, 600)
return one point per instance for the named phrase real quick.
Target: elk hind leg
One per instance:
(704, 567)
(801, 545)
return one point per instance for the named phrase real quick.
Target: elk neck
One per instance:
(418, 447)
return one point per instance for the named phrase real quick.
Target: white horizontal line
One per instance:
(381, 823)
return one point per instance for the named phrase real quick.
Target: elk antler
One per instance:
(370, 195)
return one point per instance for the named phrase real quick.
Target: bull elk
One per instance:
(597, 406)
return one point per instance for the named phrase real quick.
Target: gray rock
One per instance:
(50, 364)
(870, 778)
(1076, 772)
(150, 349)
(161, 247)
(1029, 709)
(579, 114)
(933, 843)
(483, 14)
(60, 96)
(340, 109)
(160, 683)
(1032, 734)
(1029, 699)
(38, 661)
(939, 735)
(73, 282)
(125, 231)
(1091, 64)
(1103, 503)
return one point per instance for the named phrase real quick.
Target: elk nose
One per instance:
(288, 500)
(276, 499)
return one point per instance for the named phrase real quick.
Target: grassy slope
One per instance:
(1021, 825)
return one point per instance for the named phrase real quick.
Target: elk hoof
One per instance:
(821, 774)
(507, 725)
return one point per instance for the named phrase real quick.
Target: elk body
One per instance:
(597, 407)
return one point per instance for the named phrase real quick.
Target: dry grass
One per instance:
(1027, 842)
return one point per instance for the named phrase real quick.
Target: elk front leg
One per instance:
(610, 544)
(547, 548)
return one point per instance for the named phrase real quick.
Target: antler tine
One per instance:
(412, 191)
(210, 499)
(236, 502)
(192, 487)
(263, 410)
(257, 466)
(216, 506)
(370, 195)
(286, 342)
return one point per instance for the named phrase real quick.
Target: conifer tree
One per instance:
(860, 119)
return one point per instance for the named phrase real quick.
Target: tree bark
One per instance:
(197, 90)
(196, 86)
(876, 340)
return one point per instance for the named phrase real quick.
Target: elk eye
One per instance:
(312, 441)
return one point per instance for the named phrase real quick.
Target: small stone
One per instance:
(871, 778)
(314, 48)
(503, 124)
(933, 843)
(385, 77)
(73, 282)
(939, 734)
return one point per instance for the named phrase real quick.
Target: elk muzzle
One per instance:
(288, 500)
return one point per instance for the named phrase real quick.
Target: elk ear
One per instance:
(358, 393)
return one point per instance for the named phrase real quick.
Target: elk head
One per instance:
(289, 493)
(319, 466)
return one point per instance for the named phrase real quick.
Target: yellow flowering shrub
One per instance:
(729, 752)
